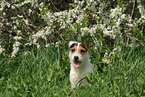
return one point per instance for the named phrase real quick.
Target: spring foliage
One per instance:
(36, 24)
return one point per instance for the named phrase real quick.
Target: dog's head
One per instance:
(78, 52)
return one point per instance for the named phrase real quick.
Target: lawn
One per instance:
(45, 73)
(34, 37)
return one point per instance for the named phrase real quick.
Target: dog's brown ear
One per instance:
(87, 45)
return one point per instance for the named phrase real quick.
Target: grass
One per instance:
(46, 73)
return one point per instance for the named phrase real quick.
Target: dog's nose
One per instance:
(76, 58)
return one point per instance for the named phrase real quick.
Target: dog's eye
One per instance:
(73, 50)
(82, 51)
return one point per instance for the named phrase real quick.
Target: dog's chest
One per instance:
(76, 75)
(78, 78)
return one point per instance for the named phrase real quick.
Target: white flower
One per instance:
(118, 22)
(41, 4)
(109, 33)
(123, 16)
(100, 26)
(7, 23)
(142, 11)
(92, 31)
(13, 7)
(56, 44)
(52, 43)
(92, 7)
(20, 16)
(8, 5)
(115, 50)
(80, 18)
(35, 40)
(14, 27)
(29, 11)
(26, 21)
(17, 23)
(85, 31)
(27, 1)
(75, 1)
(18, 32)
(40, 9)
(58, 13)
(17, 37)
(106, 61)
(15, 48)
(4, 13)
(106, 32)
(17, 43)
(47, 45)
(1, 50)
(48, 30)
(89, 0)
(28, 44)
(27, 52)
(13, 55)
(38, 45)
(116, 11)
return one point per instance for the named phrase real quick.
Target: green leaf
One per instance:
(140, 80)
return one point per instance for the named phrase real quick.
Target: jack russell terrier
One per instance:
(80, 63)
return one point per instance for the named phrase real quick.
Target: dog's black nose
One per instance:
(76, 58)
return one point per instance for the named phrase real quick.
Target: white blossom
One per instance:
(92, 31)
(142, 11)
(1, 50)
(17, 37)
(38, 45)
(26, 21)
(109, 33)
(85, 31)
(15, 48)
(116, 11)
(123, 16)
(80, 18)
(93, 6)
(17, 43)
(106, 61)
(47, 45)
(13, 7)
(4, 13)
(74, 20)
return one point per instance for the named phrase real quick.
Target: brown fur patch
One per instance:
(73, 49)
(82, 50)
(87, 45)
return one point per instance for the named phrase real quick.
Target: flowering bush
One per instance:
(32, 23)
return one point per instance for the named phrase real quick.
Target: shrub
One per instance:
(37, 24)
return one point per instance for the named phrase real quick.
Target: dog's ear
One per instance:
(87, 45)
(71, 43)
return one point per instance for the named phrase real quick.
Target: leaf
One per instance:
(121, 74)
(49, 76)
(140, 80)
(15, 88)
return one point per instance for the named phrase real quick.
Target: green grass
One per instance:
(46, 73)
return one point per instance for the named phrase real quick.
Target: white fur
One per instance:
(78, 73)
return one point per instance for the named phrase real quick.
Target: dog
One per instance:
(80, 63)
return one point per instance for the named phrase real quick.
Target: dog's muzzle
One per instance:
(76, 58)
(76, 62)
